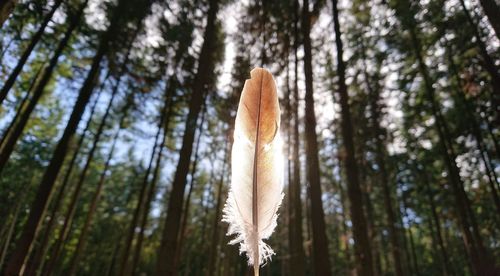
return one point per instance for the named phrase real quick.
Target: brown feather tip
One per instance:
(249, 103)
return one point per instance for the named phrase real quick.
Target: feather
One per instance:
(257, 169)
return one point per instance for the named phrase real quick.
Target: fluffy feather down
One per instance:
(259, 90)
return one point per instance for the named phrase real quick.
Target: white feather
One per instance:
(238, 209)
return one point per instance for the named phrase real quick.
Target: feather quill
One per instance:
(257, 169)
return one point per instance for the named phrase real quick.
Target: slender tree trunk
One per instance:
(212, 253)
(364, 263)
(141, 200)
(442, 249)
(20, 110)
(492, 11)
(37, 260)
(12, 224)
(471, 236)
(476, 131)
(39, 206)
(169, 106)
(166, 256)
(297, 256)
(63, 234)
(320, 240)
(185, 215)
(382, 171)
(8, 147)
(80, 247)
(6, 8)
(27, 52)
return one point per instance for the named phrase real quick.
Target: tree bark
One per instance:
(165, 264)
(320, 240)
(16, 263)
(8, 146)
(362, 249)
(27, 52)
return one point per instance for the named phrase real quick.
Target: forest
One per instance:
(117, 121)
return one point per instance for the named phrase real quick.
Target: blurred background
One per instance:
(116, 122)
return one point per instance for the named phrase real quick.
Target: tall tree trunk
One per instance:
(432, 204)
(20, 110)
(362, 249)
(297, 257)
(320, 241)
(16, 263)
(214, 242)
(8, 146)
(6, 8)
(80, 247)
(471, 236)
(27, 52)
(169, 107)
(476, 132)
(64, 232)
(37, 261)
(492, 11)
(12, 224)
(382, 170)
(410, 235)
(168, 248)
(185, 214)
(124, 262)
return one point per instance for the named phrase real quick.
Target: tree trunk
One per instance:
(169, 106)
(185, 215)
(442, 249)
(410, 235)
(27, 52)
(212, 253)
(382, 171)
(12, 224)
(39, 206)
(63, 234)
(40, 254)
(20, 110)
(6, 8)
(297, 257)
(476, 132)
(364, 263)
(80, 247)
(140, 201)
(471, 236)
(11, 138)
(492, 11)
(166, 256)
(320, 240)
